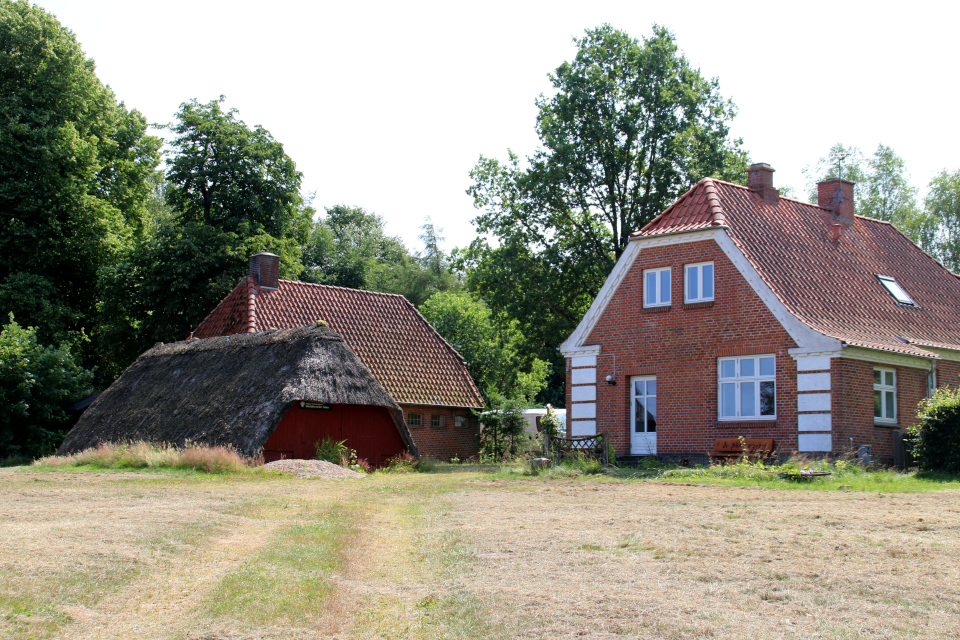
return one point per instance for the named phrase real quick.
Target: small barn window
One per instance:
(414, 420)
(437, 421)
(460, 422)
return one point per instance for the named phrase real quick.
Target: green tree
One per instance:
(631, 126)
(882, 190)
(942, 204)
(36, 384)
(489, 345)
(230, 191)
(75, 172)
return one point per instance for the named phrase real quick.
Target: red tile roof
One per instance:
(830, 285)
(406, 355)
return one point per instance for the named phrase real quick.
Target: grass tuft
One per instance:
(146, 455)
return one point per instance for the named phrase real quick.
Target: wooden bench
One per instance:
(727, 448)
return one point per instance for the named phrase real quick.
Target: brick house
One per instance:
(740, 313)
(418, 368)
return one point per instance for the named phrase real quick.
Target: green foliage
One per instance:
(491, 346)
(936, 437)
(502, 428)
(348, 247)
(332, 451)
(36, 384)
(943, 204)
(631, 126)
(75, 174)
(149, 455)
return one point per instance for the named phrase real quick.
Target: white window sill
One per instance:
(698, 301)
(889, 424)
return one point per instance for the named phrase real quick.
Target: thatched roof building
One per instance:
(232, 390)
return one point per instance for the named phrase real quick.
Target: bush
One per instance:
(333, 451)
(936, 438)
(503, 428)
(36, 383)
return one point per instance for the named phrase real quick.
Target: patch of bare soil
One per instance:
(312, 469)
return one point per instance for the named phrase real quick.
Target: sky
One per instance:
(388, 105)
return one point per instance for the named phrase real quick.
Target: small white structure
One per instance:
(533, 417)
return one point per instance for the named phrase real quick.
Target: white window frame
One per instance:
(697, 270)
(414, 419)
(884, 389)
(659, 299)
(739, 379)
(893, 288)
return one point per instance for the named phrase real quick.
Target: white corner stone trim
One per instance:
(811, 442)
(583, 361)
(583, 410)
(813, 422)
(813, 382)
(818, 362)
(583, 376)
(813, 402)
(583, 428)
(583, 394)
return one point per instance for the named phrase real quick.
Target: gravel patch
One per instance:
(312, 469)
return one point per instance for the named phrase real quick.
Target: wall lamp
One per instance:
(611, 380)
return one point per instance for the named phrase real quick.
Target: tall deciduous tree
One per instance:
(631, 126)
(75, 171)
(231, 191)
(943, 205)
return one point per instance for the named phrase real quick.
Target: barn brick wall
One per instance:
(444, 442)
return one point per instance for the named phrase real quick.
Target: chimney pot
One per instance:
(265, 269)
(760, 179)
(837, 195)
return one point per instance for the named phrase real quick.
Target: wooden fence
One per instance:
(594, 446)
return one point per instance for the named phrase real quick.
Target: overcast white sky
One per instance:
(388, 105)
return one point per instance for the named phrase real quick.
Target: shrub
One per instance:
(503, 428)
(936, 438)
(144, 455)
(333, 451)
(403, 462)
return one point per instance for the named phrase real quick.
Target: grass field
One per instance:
(468, 555)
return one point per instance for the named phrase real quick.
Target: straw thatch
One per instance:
(230, 390)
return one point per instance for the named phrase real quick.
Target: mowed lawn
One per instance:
(467, 555)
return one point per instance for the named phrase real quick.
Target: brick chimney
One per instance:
(837, 195)
(265, 268)
(760, 179)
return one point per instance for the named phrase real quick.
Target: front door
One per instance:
(643, 415)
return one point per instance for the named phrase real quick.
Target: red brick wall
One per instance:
(852, 382)
(681, 346)
(445, 442)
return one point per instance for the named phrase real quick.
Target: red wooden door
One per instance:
(369, 430)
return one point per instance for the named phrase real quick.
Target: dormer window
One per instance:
(895, 290)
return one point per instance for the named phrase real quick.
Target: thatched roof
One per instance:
(229, 390)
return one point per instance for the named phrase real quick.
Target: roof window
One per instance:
(895, 290)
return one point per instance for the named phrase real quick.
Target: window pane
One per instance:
(748, 399)
(888, 378)
(650, 289)
(766, 367)
(877, 404)
(665, 286)
(768, 399)
(651, 387)
(876, 377)
(651, 415)
(638, 388)
(890, 414)
(692, 290)
(707, 271)
(638, 412)
(748, 368)
(728, 400)
(728, 369)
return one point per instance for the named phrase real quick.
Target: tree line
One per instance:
(111, 243)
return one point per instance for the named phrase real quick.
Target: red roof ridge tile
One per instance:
(333, 286)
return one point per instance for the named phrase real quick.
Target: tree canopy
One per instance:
(75, 174)
(630, 127)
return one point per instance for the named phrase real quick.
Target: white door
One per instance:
(643, 415)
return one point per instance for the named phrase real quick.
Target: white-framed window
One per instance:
(699, 282)
(644, 408)
(656, 287)
(438, 421)
(895, 289)
(747, 387)
(884, 395)
(414, 420)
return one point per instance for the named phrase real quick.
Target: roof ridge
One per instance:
(333, 286)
